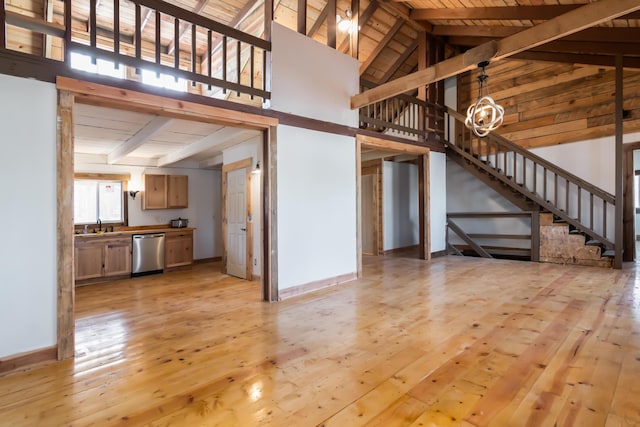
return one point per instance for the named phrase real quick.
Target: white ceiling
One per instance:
(133, 138)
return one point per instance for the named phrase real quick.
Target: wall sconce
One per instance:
(485, 115)
(133, 194)
(257, 168)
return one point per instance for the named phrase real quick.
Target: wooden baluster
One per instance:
(264, 70)
(138, 36)
(93, 33)
(238, 63)
(513, 175)
(116, 29)
(544, 183)
(209, 57)
(194, 56)
(591, 210)
(579, 204)
(567, 186)
(251, 66)
(158, 41)
(604, 218)
(224, 61)
(555, 189)
(176, 43)
(535, 178)
(3, 22)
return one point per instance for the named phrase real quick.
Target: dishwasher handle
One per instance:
(147, 236)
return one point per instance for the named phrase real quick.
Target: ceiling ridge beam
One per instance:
(143, 135)
(542, 12)
(561, 26)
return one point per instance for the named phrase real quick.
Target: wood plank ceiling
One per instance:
(576, 69)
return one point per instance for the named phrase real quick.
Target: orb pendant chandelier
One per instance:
(485, 115)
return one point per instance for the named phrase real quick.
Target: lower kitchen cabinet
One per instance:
(178, 248)
(97, 257)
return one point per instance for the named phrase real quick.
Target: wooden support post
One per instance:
(268, 19)
(270, 212)
(67, 31)
(629, 210)
(65, 275)
(3, 22)
(618, 168)
(358, 147)
(422, 90)
(535, 236)
(331, 23)
(354, 36)
(302, 17)
(424, 207)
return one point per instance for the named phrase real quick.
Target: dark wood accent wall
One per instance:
(548, 103)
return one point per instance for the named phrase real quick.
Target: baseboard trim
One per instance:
(317, 285)
(207, 260)
(402, 249)
(438, 254)
(255, 278)
(21, 360)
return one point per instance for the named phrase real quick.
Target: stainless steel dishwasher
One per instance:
(147, 255)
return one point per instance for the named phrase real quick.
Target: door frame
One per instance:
(423, 190)
(374, 167)
(247, 165)
(629, 209)
(71, 91)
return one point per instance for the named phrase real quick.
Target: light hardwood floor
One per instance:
(454, 341)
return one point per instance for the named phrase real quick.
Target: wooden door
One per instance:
(236, 205)
(369, 215)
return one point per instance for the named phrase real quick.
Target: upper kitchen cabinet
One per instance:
(177, 191)
(165, 192)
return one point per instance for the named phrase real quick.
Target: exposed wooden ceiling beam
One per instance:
(588, 47)
(595, 34)
(153, 127)
(316, 25)
(364, 18)
(380, 46)
(561, 26)
(219, 137)
(576, 58)
(540, 13)
(212, 163)
(401, 60)
(401, 11)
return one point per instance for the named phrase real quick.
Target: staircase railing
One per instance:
(487, 243)
(404, 114)
(581, 204)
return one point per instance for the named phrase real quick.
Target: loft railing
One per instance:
(581, 204)
(404, 115)
(151, 35)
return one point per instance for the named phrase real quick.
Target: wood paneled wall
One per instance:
(548, 103)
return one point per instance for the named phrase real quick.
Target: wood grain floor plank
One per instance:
(450, 342)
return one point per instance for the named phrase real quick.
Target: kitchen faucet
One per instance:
(100, 224)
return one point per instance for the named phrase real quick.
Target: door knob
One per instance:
(243, 229)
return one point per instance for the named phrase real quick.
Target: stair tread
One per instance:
(609, 253)
(593, 242)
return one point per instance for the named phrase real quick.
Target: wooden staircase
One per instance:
(576, 217)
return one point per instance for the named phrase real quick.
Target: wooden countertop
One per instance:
(121, 233)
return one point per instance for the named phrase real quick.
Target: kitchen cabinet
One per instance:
(177, 191)
(97, 257)
(178, 248)
(165, 192)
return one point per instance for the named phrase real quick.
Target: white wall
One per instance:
(438, 200)
(251, 149)
(28, 275)
(401, 227)
(316, 206)
(316, 177)
(320, 87)
(203, 212)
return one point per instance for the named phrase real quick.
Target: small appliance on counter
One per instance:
(179, 223)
